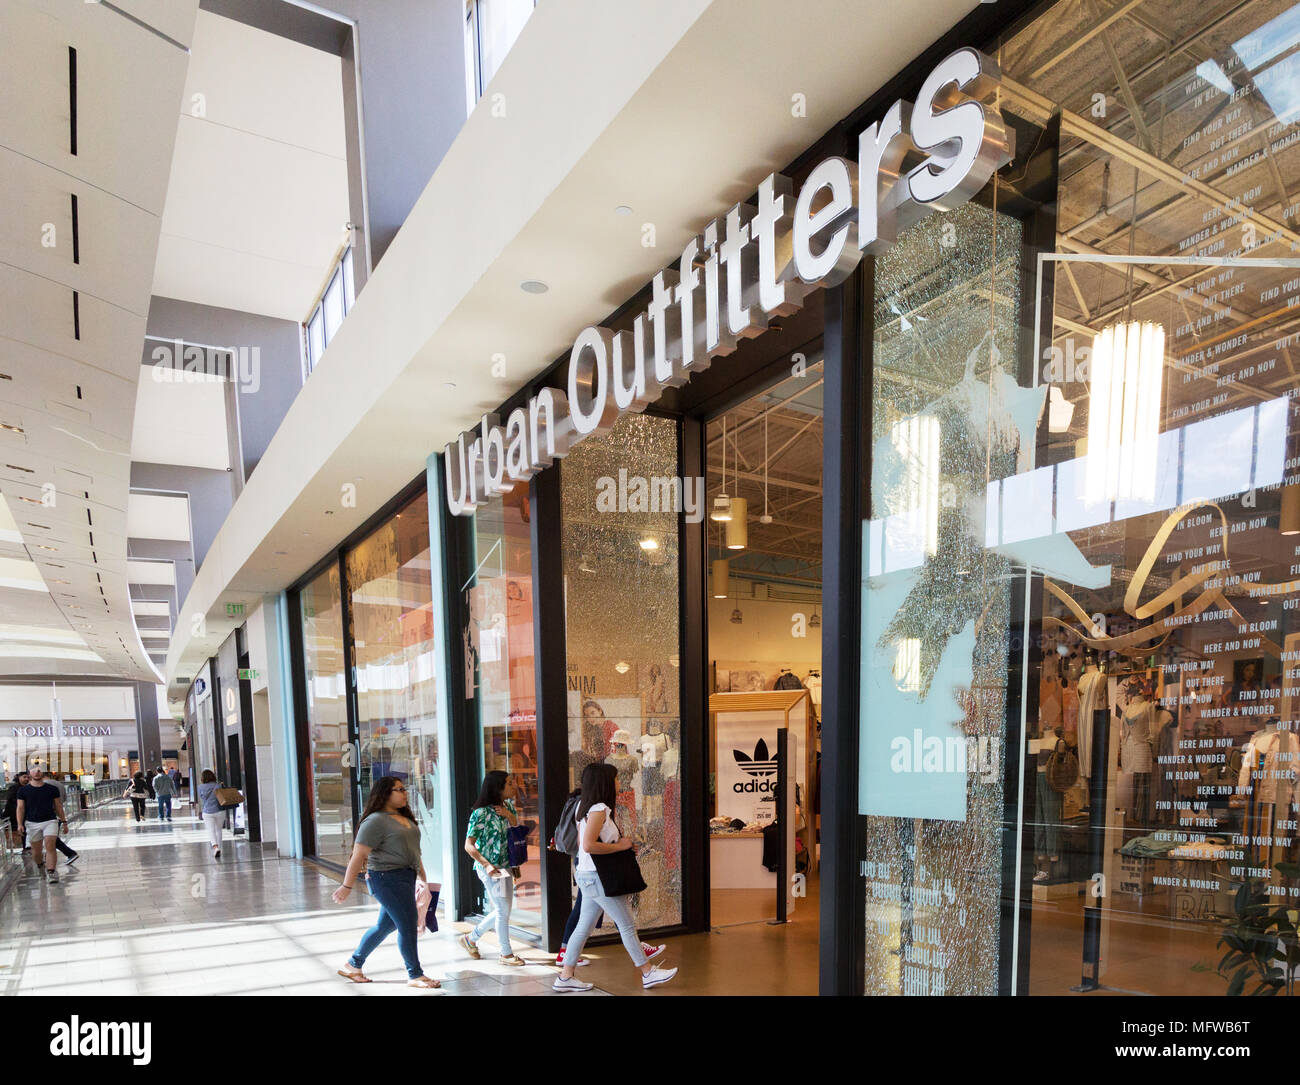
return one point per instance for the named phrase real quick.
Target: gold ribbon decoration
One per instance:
(1139, 641)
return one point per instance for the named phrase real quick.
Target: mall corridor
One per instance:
(147, 911)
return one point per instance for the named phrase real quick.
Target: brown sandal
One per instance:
(354, 975)
(423, 981)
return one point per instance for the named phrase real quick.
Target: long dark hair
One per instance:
(491, 793)
(380, 790)
(597, 786)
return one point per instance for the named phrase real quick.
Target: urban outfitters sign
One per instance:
(753, 264)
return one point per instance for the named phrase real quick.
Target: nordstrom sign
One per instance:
(753, 264)
(66, 730)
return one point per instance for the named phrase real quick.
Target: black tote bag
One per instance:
(619, 873)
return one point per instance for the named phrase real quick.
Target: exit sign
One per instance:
(247, 674)
(234, 610)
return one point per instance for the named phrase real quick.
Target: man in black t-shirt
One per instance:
(40, 813)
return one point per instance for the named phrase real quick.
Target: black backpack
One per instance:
(566, 832)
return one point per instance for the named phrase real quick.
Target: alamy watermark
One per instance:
(181, 362)
(654, 493)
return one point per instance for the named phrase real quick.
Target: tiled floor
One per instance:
(146, 910)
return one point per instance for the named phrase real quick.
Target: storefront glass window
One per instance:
(1079, 577)
(390, 614)
(621, 496)
(329, 782)
(499, 671)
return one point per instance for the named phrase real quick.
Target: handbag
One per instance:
(517, 843)
(229, 797)
(1062, 768)
(619, 873)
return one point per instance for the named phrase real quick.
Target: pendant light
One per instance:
(1289, 521)
(720, 578)
(722, 503)
(816, 620)
(766, 518)
(1127, 380)
(737, 526)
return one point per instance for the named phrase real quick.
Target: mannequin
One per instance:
(1164, 743)
(1069, 712)
(813, 684)
(654, 747)
(1050, 703)
(629, 780)
(1092, 696)
(1268, 776)
(1135, 749)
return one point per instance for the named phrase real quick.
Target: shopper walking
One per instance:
(175, 775)
(68, 853)
(163, 789)
(599, 835)
(40, 814)
(575, 913)
(138, 792)
(213, 816)
(388, 849)
(485, 840)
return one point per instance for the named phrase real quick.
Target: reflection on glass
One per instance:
(498, 649)
(330, 783)
(621, 606)
(1167, 589)
(1128, 368)
(390, 607)
(948, 417)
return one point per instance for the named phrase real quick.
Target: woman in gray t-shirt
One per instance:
(388, 847)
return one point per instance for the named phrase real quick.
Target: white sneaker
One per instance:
(571, 984)
(656, 976)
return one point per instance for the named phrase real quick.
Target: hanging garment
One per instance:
(1070, 714)
(1049, 704)
(786, 680)
(1135, 751)
(1269, 767)
(813, 684)
(1164, 789)
(1092, 696)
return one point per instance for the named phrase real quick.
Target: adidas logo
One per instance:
(759, 768)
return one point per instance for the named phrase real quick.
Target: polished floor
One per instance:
(146, 910)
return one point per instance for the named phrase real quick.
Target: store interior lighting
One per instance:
(738, 526)
(916, 440)
(1128, 363)
(720, 578)
(1289, 521)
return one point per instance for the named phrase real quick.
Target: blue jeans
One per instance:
(395, 891)
(618, 909)
(164, 807)
(500, 898)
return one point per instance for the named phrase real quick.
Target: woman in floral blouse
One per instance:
(485, 841)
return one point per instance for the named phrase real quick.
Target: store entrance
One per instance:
(764, 542)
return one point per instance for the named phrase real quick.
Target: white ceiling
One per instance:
(158, 516)
(65, 464)
(677, 117)
(258, 197)
(152, 572)
(180, 419)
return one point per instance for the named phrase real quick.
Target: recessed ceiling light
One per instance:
(449, 385)
(533, 286)
(622, 209)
